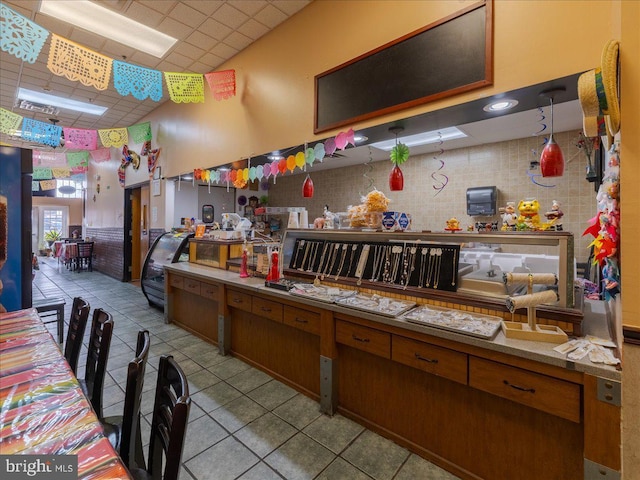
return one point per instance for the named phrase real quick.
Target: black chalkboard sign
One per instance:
(447, 57)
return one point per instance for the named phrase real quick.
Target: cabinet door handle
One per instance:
(301, 320)
(237, 300)
(358, 339)
(518, 387)
(265, 309)
(424, 359)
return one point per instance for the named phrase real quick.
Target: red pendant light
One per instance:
(396, 179)
(551, 159)
(307, 187)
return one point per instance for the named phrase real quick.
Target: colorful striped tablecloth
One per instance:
(43, 409)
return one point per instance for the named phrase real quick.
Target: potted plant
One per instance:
(51, 236)
(399, 154)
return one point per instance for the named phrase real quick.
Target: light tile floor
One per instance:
(243, 423)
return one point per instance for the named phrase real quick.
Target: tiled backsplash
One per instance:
(504, 164)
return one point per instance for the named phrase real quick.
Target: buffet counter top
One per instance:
(536, 351)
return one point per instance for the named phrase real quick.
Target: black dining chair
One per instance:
(123, 431)
(84, 258)
(169, 423)
(97, 356)
(75, 334)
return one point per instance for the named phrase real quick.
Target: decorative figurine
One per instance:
(328, 218)
(453, 225)
(529, 218)
(555, 217)
(509, 217)
(243, 265)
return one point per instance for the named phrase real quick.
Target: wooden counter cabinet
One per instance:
(193, 304)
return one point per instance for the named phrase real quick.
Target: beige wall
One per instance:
(74, 204)
(504, 165)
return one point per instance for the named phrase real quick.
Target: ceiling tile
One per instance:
(180, 60)
(206, 7)
(143, 14)
(62, 29)
(188, 51)
(199, 67)
(175, 29)
(253, 29)
(290, 7)
(163, 6)
(215, 29)
(201, 40)
(144, 60)
(87, 39)
(230, 16)
(224, 51)
(270, 16)
(212, 60)
(250, 7)
(238, 41)
(187, 15)
(166, 66)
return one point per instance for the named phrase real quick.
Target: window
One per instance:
(77, 186)
(53, 219)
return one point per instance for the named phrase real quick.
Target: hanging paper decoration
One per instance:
(233, 175)
(140, 132)
(252, 173)
(78, 177)
(351, 137)
(291, 163)
(35, 186)
(140, 82)
(101, 155)
(9, 121)
(20, 36)
(282, 166)
(42, 173)
(259, 172)
(80, 138)
(185, 87)
(48, 184)
(222, 84)
(121, 173)
(245, 174)
(130, 157)
(114, 137)
(40, 132)
(75, 62)
(240, 182)
(49, 159)
(267, 168)
(146, 148)
(152, 159)
(341, 141)
(300, 160)
(329, 146)
(319, 151)
(61, 172)
(78, 159)
(224, 177)
(309, 156)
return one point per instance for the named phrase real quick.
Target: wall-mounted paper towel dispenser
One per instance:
(481, 201)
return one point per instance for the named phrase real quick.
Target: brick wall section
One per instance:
(108, 250)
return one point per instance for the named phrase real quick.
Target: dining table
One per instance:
(43, 409)
(65, 252)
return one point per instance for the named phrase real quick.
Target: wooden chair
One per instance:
(52, 310)
(77, 326)
(169, 424)
(123, 431)
(84, 258)
(97, 357)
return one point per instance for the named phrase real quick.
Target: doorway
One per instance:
(136, 231)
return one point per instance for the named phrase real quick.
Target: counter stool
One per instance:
(50, 307)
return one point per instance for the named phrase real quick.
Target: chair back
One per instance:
(131, 438)
(97, 357)
(170, 416)
(85, 255)
(77, 326)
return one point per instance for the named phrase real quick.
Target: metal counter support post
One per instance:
(328, 387)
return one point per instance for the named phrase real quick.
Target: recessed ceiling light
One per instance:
(274, 157)
(425, 138)
(109, 24)
(500, 105)
(360, 138)
(60, 102)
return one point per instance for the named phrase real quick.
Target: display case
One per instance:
(456, 265)
(215, 253)
(167, 248)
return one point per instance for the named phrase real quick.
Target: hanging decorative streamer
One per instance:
(114, 137)
(80, 138)
(101, 155)
(130, 157)
(35, 186)
(40, 132)
(122, 173)
(441, 179)
(535, 163)
(146, 148)
(222, 84)
(368, 169)
(20, 36)
(49, 159)
(152, 160)
(329, 146)
(78, 159)
(140, 132)
(61, 172)
(79, 170)
(185, 87)
(48, 184)
(9, 122)
(75, 62)
(42, 173)
(138, 81)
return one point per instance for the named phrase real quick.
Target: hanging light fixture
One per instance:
(307, 187)
(399, 154)
(551, 159)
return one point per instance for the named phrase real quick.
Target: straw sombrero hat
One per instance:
(598, 93)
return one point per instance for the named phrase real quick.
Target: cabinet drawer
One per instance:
(302, 319)
(430, 358)
(191, 285)
(176, 281)
(239, 300)
(267, 308)
(364, 338)
(209, 291)
(548, 394)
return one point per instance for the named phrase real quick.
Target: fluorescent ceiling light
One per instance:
(67, 103)
(425, 138)
(109, 24)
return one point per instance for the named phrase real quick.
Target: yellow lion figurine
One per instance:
(529, 218)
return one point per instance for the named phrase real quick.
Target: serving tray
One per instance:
(380, 305)
(474, 324)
